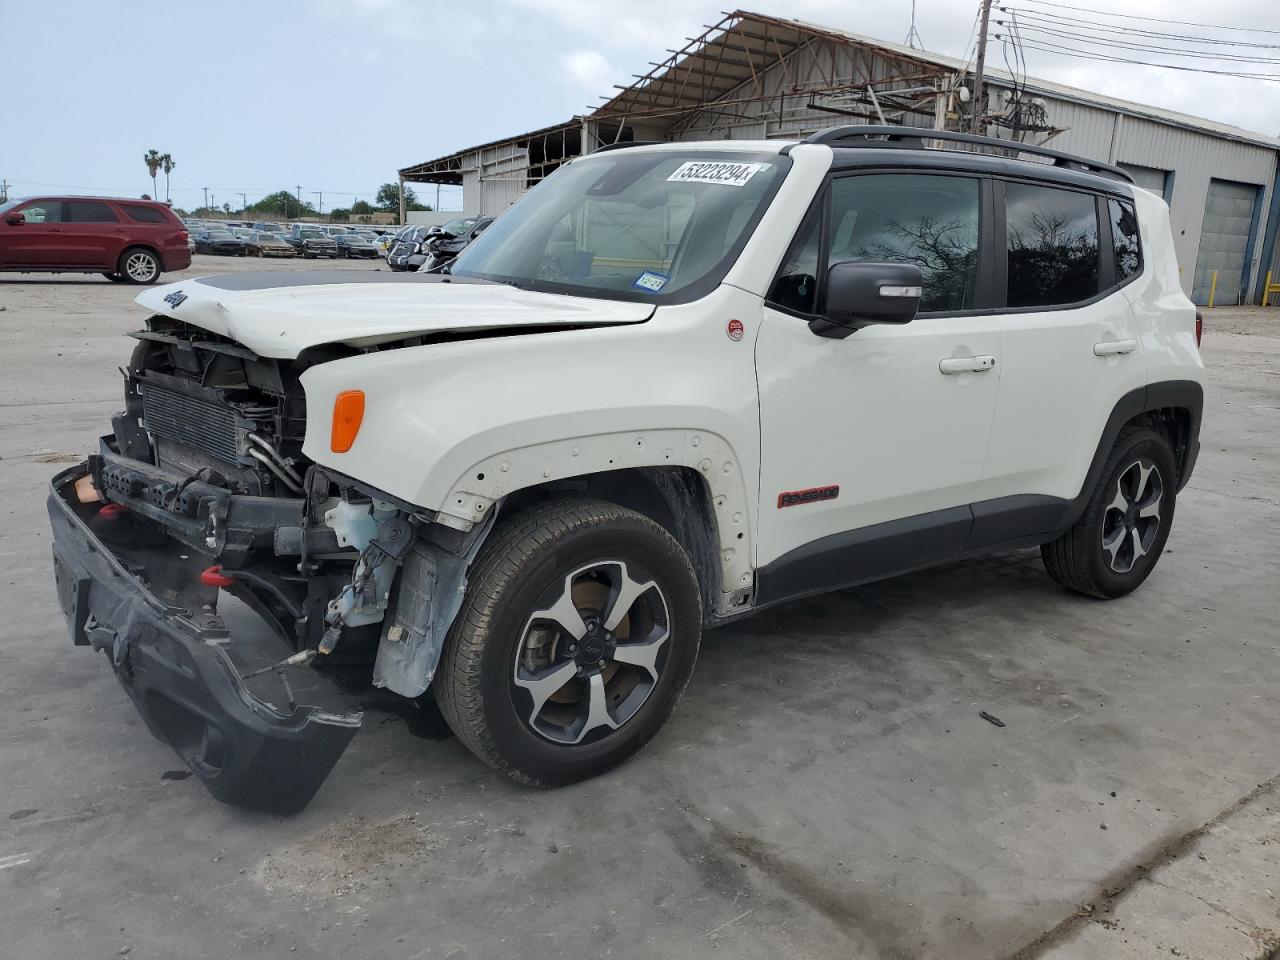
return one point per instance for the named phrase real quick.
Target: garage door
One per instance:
(1224, 240)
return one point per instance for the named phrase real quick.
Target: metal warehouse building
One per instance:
(752, 76)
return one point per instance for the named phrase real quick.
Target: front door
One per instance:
(37, 242)
(873, 446)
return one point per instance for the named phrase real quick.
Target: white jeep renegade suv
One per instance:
(674, 384)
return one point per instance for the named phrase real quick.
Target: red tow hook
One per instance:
(214, 577)
(111, 511)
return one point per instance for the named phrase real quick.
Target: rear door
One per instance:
(872, 446)
(39, 242)
(1070, 341)
(93, 233)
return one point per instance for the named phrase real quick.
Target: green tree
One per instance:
(152, 160)
(282, 204)
(166, 164)
(339, 215)
(388, 199)
(361, 207)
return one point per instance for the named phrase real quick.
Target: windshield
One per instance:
(649, 225)
(310, 234)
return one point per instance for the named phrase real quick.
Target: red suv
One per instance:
(129, 241)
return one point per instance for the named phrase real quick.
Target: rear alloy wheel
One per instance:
(1115, 544)
(578, 634)
(139, 266)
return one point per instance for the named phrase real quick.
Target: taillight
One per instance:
(348, 411)
(1199, 327)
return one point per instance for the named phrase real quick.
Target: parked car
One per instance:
(130, 241)
(310, 242)
(873, 357)
(382, 243)
(407, 243)
(220, 241)
(353, 245)
(436, 251)
(263, 226)
(269, 244)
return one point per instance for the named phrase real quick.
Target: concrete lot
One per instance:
(826, 789)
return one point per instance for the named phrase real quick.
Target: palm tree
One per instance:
(152, 160)
(167, 165)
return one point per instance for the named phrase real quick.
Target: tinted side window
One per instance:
(796, 285)
(141, 214)
(88, 211)
(1053, 245)
(1124, 237)
(43, 211)
(924, 219)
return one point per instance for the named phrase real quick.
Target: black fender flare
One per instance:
(1185, 395)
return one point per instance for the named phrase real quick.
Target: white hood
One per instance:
(281, 314)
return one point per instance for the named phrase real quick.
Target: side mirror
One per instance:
(16, 219)
(860, 294)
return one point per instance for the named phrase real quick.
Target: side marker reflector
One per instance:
(348, 411)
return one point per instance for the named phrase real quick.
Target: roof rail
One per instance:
(623, 144)
(913, 138)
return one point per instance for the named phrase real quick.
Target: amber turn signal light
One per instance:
(348, 411)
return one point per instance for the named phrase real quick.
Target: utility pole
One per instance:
(244, 203)
(402, 213)
(4, 191)
(979, 67)
(320, 194)
(299, 189)
(206, 197)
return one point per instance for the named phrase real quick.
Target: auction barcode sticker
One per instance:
(707, 171)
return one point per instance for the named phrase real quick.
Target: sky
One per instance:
(333, 96)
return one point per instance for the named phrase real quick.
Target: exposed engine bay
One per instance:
(208, 451)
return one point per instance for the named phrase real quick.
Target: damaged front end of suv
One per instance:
(201, 488)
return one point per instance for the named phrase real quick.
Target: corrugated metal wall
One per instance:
(493, 179)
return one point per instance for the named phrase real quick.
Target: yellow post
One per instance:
(1213, 286)
(1266, 289)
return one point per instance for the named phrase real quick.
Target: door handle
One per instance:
(966, 364)
(1110, 348)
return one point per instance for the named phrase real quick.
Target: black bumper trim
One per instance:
(172, 665)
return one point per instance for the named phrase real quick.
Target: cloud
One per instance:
(587, 70)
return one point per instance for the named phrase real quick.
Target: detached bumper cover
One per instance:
(172, 663)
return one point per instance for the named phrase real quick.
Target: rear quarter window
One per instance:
(87, 211)
(140, 214)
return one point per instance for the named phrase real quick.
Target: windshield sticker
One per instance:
(702, 171)
(651, 281)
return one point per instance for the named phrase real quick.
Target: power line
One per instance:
(1142, 47)
(1138, 16)
(1045, 46)
(1076, 23)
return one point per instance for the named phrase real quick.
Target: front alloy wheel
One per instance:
(591, 657)
(577, 635)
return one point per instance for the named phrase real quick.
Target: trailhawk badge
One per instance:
(735, 330)
(175, 299)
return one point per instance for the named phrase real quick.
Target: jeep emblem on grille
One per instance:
(175, 299)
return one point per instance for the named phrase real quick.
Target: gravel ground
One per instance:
(827, 788)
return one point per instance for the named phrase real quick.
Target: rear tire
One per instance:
(545, 704)
(1116, 543)
(139, 265)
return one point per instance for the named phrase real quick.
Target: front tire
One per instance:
(1116, 543)
(137, 265)
(577, 636)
